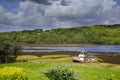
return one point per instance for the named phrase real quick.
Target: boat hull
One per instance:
(77, 59)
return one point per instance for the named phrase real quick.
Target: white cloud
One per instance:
(86, 11)
(3, 17)
(29, 16)
(62, 13)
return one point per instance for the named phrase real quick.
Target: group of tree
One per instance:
(98, 34)
(8, 51)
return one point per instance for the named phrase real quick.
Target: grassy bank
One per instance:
(113, 58)
(35, 66)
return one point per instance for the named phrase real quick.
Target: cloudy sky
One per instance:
(48, 14)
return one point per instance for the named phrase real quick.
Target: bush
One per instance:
(60, 73)
(13, 73)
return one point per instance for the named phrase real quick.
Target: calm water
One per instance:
(88, 48)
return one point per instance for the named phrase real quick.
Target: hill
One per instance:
(98, 34)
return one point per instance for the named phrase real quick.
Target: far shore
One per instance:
(53, 45)
(59, 44)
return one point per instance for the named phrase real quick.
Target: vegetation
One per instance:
(13, 73)
(36, 66)
(25, 58)
(60, 73)
(99, 34)
(85, 71)
(8, 52)
(54, 56)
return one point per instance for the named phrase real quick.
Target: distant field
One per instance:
(35, 66)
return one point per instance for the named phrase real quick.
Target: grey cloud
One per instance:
(65, 2)
(11, 0)
(3, 17)
(45, 2)
(49, 2)
(4, 28)
(85, 12)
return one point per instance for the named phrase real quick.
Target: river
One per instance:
(87, 48)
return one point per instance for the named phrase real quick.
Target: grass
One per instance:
(54, 56)
(85, 71)
(27, 57)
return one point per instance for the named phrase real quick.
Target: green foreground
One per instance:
(35, 66)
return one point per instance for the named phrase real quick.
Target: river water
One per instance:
(87, 48)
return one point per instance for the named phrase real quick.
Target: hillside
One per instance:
(99, 34)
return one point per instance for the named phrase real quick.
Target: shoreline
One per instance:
(105, 57)
(53, 45)
(61, 44)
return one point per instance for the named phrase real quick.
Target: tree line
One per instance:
(98, 34)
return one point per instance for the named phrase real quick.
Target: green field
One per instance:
(35, 66)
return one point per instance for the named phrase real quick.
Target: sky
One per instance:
(18, 15)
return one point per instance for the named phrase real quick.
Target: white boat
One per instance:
(83, 57)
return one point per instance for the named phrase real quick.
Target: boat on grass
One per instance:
(83, 57)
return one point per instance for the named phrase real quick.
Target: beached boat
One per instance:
(83, 57)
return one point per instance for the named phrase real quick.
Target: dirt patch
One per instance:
(110, 58)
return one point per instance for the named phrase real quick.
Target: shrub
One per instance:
(60, 73)
(13, 73)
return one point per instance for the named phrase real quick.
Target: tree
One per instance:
(8, 52)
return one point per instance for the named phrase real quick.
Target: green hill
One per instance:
(99, 34)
